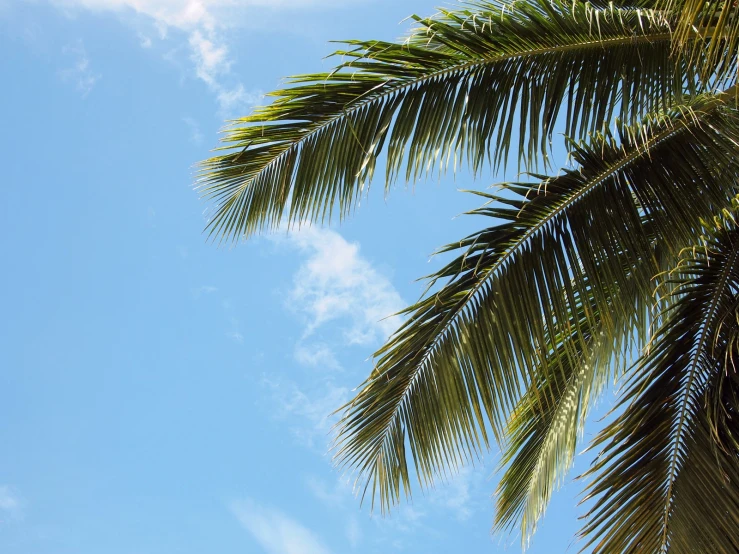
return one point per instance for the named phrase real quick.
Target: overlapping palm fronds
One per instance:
(548, 304)
(462, 356)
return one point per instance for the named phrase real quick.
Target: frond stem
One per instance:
(705, 328)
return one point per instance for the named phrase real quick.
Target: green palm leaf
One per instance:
(540, 443)
(644, 502)
(468, 350)
(459, 89)
(705, 508)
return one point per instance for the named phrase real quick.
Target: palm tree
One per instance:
(622, 267)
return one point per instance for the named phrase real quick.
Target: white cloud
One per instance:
(10, 504)
(80, 73)
(8, 501)
(275, 532)
(144, 40)
(211, 59)
(235, 336)
(309, 413)
(316, 355)
(237, 98)
(336, 282)
(456, 495)
(202, 22)
(196, 137)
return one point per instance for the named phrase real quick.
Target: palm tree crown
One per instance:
(621, 268)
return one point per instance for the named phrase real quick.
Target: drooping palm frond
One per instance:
(464, 86)
(467, 351)
(545, 427)
(643, 500)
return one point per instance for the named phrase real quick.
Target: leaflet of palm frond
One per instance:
(709, 33)
(464, 87)
(642, 500)
(469, 348)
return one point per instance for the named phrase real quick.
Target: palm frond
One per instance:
(468, 350)
(461, 88)
(540, 443)
(643, 502)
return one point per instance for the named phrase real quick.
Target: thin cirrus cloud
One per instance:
(10, 505)
(276, 532)
(78, 70)
(203, 22)
(336, 283)
(196, 136)
(307, 411)
(317, 355)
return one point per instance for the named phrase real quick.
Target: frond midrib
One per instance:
(705, 328)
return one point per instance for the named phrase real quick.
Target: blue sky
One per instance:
(159, 394)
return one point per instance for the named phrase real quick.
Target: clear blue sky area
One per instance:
(159, 394)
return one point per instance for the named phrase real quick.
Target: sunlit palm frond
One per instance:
(469, 349)
(545, 427)
(709, 32)
(466, 86)
(643, 502)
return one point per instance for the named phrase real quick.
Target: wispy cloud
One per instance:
(10, 504)
(457, 494)
(212, 61)
(144, 40)
(316, 355)
(196, 136)
(275, 532)
(333, 284)
(80, 71)
(203, 23)
(203, 290)
(336, 282)
(307, 411)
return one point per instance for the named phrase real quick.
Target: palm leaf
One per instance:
(643, 502)
(468, 350)
(541, 443)
(460, 88)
